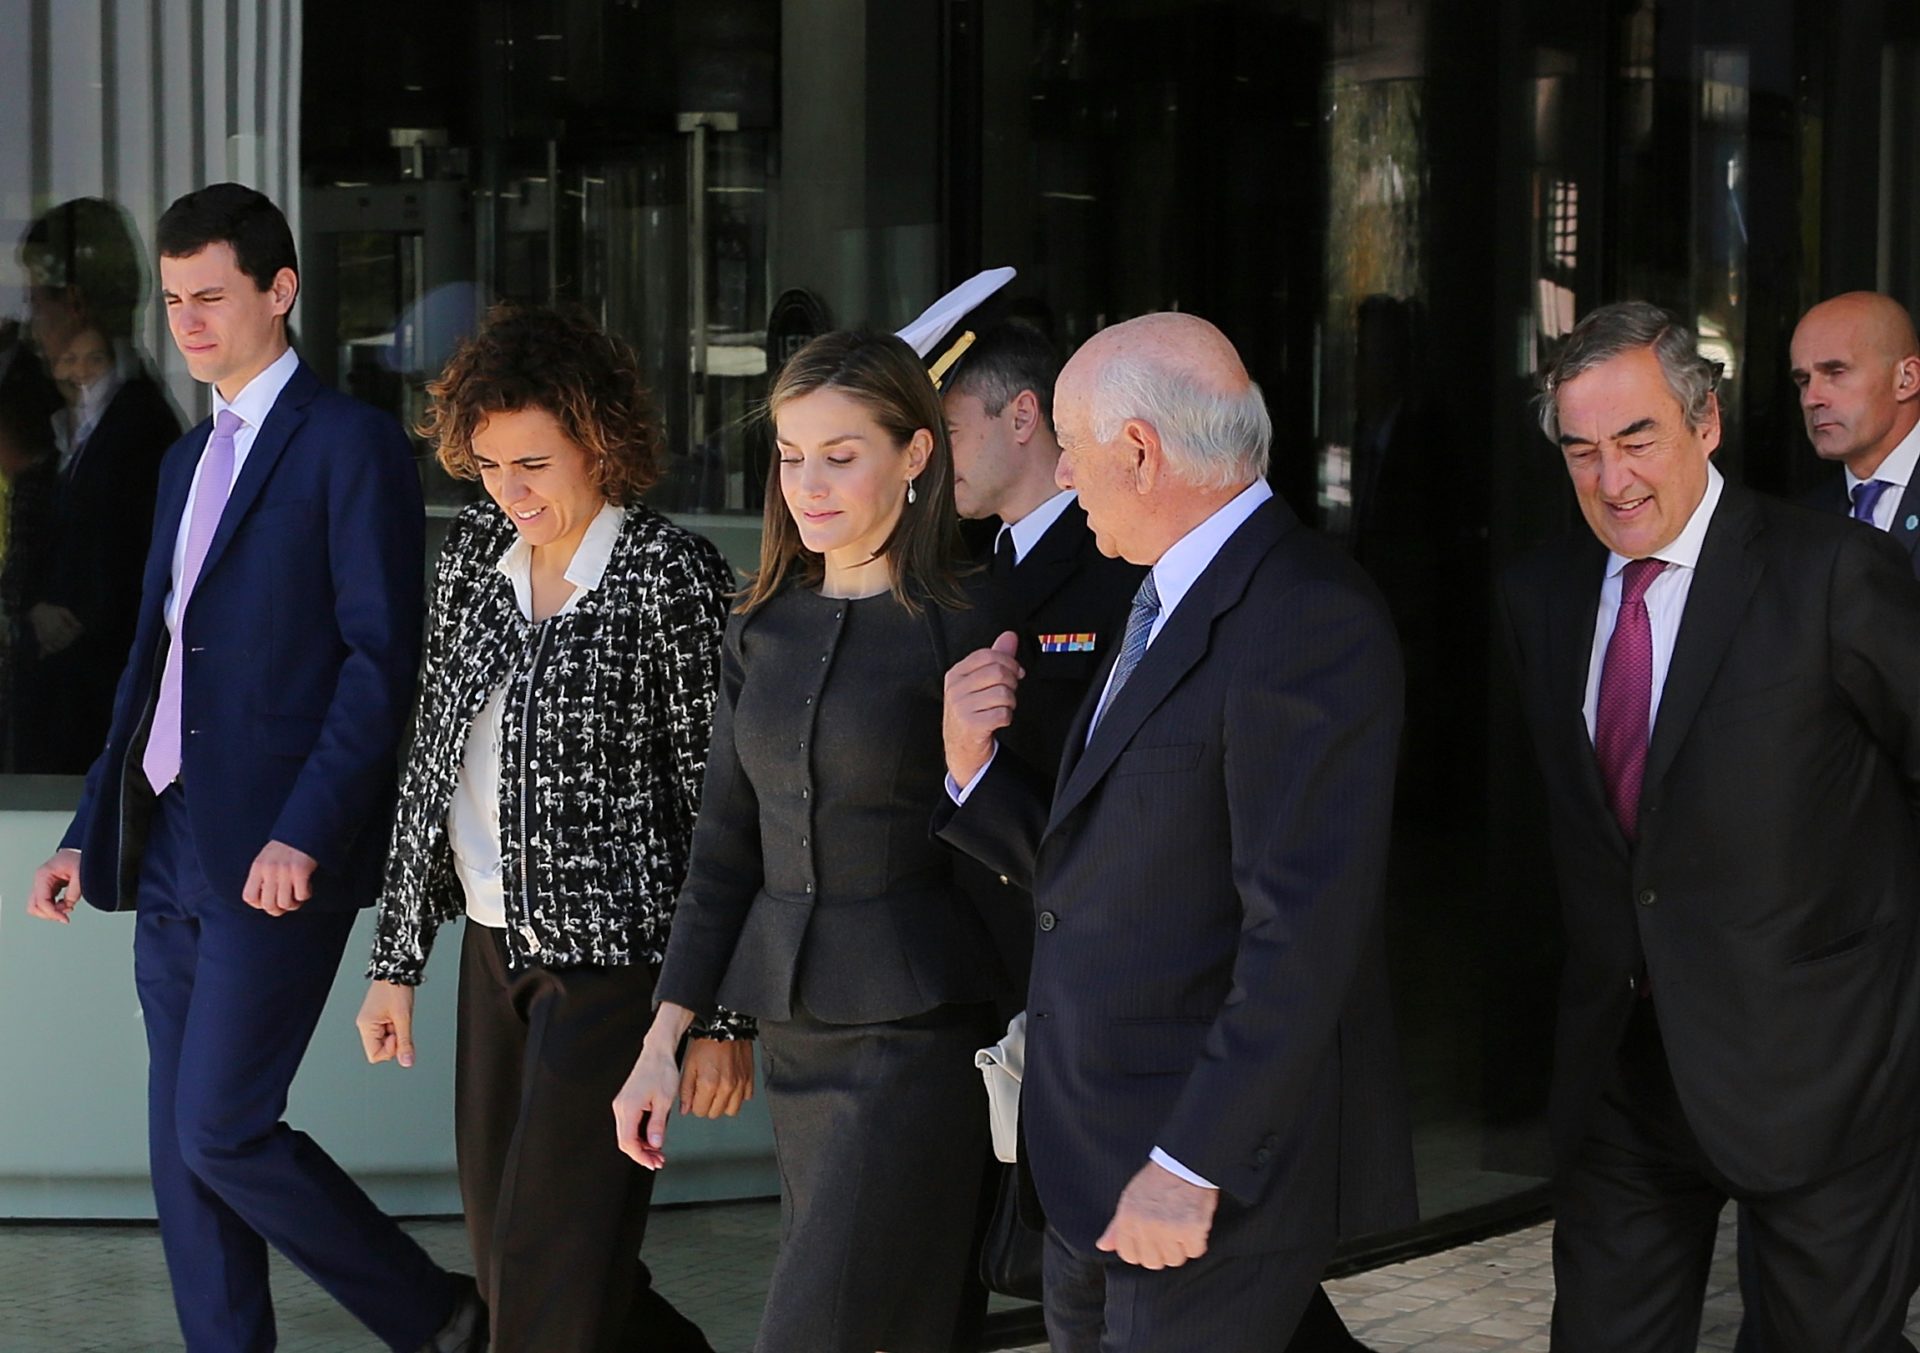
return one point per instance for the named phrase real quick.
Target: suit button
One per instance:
(1048, 920)
(1647, 897)
(1262, 1156)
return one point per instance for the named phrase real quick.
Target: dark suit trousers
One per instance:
(230, 997)
(555, 1213)
(1236, 1303)
(1829, 1266)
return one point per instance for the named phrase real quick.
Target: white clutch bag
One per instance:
(1001, 1067)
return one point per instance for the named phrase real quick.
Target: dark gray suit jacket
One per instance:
(1208, 974)
(1772, 896)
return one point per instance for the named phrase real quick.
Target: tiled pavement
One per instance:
(91, 1289)
(1496, 1297)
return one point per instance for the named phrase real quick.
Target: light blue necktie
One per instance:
(1133, 644)
(1865, 495)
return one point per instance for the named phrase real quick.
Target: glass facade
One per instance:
(1393, 207)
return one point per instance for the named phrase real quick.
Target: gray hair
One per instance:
(1623, 327)
(1213, 440)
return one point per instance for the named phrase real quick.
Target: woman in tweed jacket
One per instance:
(549, 796)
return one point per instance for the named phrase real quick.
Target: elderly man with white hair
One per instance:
(1212, 1095)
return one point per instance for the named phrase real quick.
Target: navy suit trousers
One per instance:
(230, 997)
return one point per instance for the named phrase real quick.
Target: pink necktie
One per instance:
(162, 758)
(1620, 727)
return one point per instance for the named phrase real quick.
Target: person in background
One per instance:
(816, 900)
(85, 263)
(548, 797)
(1856, 363)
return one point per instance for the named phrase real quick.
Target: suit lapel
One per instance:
(1722, 583)
(1906, 520)
(1181, 644)
(170, 504)
(1050, 562)
(269, 444)
(1570, 626)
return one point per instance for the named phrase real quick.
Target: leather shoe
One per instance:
(466, 1329)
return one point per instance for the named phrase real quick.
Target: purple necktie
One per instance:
(1620, 728)
(1866, 496)
(162, 758)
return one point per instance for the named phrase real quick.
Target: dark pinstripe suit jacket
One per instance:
(1208, 973)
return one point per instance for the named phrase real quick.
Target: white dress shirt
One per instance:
(1666, 601)
(252, 405)
(1897, 470)
(473, 819)
(1027, 531)
(1173, 577)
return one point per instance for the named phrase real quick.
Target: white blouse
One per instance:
(473, 820)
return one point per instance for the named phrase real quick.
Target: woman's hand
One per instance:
(385, 1022)
(717, 1077)
(640, 1109)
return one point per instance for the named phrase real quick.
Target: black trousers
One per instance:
(1234, 1303)
(1827, 1267)
(555, 1213)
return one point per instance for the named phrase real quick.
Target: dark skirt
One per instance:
(881, 1135)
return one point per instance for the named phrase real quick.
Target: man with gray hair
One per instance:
(1212, 1092)
(1724, 695)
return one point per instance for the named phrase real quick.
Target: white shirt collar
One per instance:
(1683, 549)
(1029, 529)
(256, 399)
(1897, 468)
(1188, 557)
(585, 570)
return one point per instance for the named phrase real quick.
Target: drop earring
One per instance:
(910, 493)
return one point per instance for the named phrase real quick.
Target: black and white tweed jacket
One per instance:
(603, 747)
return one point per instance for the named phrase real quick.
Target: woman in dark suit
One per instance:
(817, 901)
(548, 796)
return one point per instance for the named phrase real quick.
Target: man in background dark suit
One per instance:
(1211, 1090)
(243, 797)
(1053, 587)
(1856, 363)
(1724, 694)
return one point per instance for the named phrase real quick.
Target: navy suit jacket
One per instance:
(1209, 972)
(1831, 496)
(303, 640)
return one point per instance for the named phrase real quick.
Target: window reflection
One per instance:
(84, 427)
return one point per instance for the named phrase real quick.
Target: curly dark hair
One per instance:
(560, 361)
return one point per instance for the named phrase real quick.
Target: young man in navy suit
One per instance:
(241, 801)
